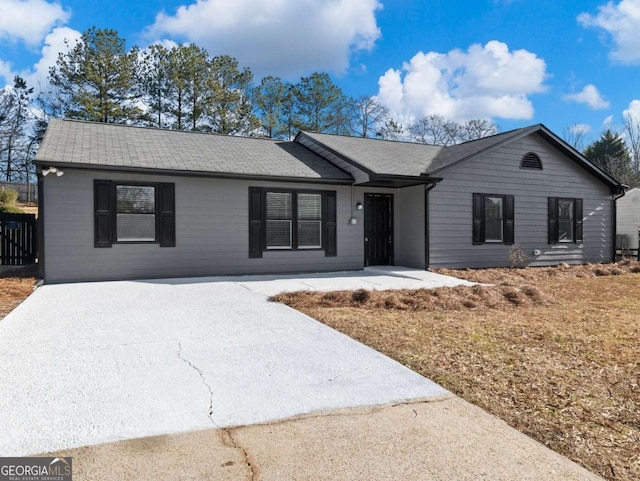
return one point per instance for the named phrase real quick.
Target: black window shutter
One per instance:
(330, 225)
(553, 220)
(578, 220)
(255, 222)
(166, 204)
(478, 219)
(508, 220)
(102, 192)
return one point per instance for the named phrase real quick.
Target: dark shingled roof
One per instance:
(120, 147)
(381, 156)
(406, 158)
(113, 146)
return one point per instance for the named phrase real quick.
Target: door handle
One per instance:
(366, 239)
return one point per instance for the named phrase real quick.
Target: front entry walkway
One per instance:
(377, 278)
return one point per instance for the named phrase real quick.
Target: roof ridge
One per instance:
(158, 129)
(497, 134)
(358, 137)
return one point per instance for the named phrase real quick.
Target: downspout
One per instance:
(615, 224)
(352, 214)
(427, 189)
(40, 224)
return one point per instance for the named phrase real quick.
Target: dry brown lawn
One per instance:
(28, 207)
(555, 352)
(16, 283)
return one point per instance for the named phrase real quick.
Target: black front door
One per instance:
(378, 229)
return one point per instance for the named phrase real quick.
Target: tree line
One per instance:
(182, 87)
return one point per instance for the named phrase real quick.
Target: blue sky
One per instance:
(516, 62)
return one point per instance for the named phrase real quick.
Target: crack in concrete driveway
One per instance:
(204, 381)
(228, 440)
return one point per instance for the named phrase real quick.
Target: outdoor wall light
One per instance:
(52, 170)
(359, 206)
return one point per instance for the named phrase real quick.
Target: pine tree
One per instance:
(321, 106)
(97, 78)
(271, 100)
(230, 110)
(611, 155)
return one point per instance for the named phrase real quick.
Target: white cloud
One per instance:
(622, 21)
(29, 20)
(276, 37)
(590, 96)
(166, 43)
(54, 43)
(607, 122)
(580, 129)
(6, 74)
(633, 111)
(483, 82)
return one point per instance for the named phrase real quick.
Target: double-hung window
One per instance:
(565, 220)
(126, 212)
(135, 213)
(289, 219)
(493, 219)
(279, 220)
(309, 221)
(293, 220)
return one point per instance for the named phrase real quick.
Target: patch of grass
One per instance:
(552, 351)
(16, 283)
(28, 207)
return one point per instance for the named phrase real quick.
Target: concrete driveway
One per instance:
(97, 362)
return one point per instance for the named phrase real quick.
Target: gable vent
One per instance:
(531, 161)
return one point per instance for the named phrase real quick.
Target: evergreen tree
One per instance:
(155, 84)
(97, 78)
(271, 100)
(229, 109)
(321, 106)
(391, 130)
(610, 153)
(195, 69)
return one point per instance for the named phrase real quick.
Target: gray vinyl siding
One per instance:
(410, 220)
(628, 217)
(211, 232)
(499, 172)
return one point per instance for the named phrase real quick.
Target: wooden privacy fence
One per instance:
(18, 239)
